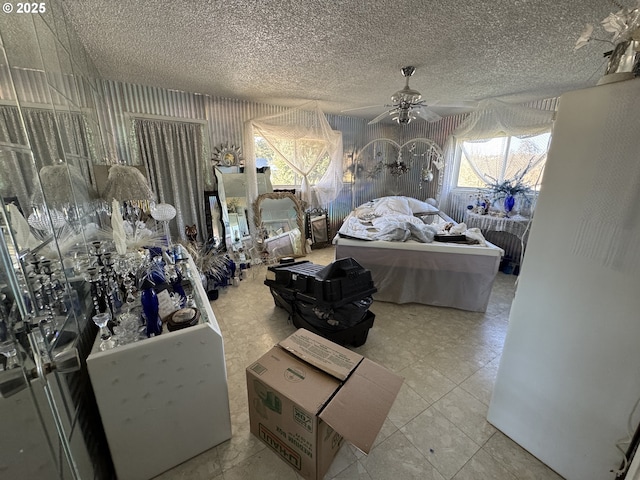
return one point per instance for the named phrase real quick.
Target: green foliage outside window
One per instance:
(282, 175)
(502, 158)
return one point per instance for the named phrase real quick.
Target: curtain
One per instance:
(44, 136)
(173, 153)
(52, 138)
(77, 142)
(17, 172)
(493, 118)
(511, 156)
(302, 137)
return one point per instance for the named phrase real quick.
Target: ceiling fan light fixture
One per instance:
(407, 95)
(404, 116)
(407, 104)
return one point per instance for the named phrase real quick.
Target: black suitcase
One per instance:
(355, 336)
(332, 301)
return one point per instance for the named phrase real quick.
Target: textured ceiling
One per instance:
(345, 53)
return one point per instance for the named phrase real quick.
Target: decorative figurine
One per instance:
(191, 231)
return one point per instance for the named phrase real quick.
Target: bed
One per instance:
(457, 275)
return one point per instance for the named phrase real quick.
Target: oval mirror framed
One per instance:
(279, 221)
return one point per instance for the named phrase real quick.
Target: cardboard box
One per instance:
(307, 393)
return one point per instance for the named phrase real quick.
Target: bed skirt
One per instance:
(439, 274)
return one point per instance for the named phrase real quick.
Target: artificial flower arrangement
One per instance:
(508, 188)
(624, 25)
(504, 192)
(216, 268)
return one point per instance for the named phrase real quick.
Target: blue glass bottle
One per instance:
(150, 308)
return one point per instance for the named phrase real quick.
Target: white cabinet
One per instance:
(165, 399)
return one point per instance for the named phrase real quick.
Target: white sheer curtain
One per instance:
(493, 118)
(302, 137)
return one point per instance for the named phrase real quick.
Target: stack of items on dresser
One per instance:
(331, 301)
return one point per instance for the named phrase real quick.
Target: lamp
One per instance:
(404, 113)
(62, 185)
(127, 183)
(128, 186)
(164, 212)
(46, 219)
(405, 100)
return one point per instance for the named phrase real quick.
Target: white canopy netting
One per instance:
(492, 119)
(303, 139)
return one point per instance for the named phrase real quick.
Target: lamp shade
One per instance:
(127, 183)
(62, 184)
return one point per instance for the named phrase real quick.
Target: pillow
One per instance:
(392, 205)
(419, 207)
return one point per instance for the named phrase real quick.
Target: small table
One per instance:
(517, 225)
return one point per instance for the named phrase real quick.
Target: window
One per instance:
(501, 158)
(306, 153)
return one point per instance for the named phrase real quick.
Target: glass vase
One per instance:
(509, 203)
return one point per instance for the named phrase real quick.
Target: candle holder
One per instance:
(101, 320)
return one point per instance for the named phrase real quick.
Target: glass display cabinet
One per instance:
(50, 137)
(56, 273)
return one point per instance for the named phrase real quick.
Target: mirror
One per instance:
(213, 214)
(232, 191)
(279, 221)
(227, 156)
(317, 227)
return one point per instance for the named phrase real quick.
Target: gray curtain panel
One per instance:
(44, 136)
(17, 172)
(172, 154)
(50, 136)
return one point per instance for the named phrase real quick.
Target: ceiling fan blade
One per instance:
(455, 104)
(361, 108)
(425, 113)
(381, 116)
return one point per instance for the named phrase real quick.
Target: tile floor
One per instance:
(436, 429)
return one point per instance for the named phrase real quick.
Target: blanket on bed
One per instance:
(391, 219)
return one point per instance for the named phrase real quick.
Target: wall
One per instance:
(225, 119)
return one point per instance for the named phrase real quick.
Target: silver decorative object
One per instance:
(62, 184)
(227, 155)
(625, 58)
(164, 212)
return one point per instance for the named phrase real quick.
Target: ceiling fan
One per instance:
(407, 104)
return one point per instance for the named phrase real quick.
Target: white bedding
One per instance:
(392, 218)
(400, 219)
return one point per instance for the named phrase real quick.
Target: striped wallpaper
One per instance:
(225, 123)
